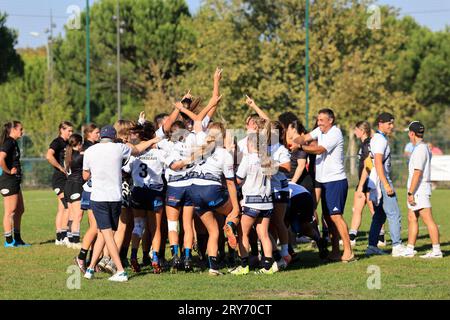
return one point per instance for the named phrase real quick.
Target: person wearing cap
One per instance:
(102, 164)
(419, 193)
(382, 192)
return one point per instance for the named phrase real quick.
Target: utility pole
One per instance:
(307, 66)
(88, 79)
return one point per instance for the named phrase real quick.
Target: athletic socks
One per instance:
(353, 234)
(123, 253)
(381, 236)
(155, 257)
(83, 254)
(244, 262)
(187, 253)
(134, 253)
(17, 236)
(76, 237)
(436, 248)
(70, 236)
(267, 263)
(276, 255)
(146, 254)
(284, 250)
(8, 237)
(213, 263)
(59, 235)
(63, 234)
(174, 250)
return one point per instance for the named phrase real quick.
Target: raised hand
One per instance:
(218, 74)
(250, 102)
(141, 118)
(178, 105)
(187, 95)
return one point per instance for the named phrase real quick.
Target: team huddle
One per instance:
(187, 180)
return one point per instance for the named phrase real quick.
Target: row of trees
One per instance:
(402, 67)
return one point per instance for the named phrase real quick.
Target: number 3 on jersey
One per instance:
(144, 170)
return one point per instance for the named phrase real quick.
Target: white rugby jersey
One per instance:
(209, 171)
(256, 189)
(179, 151)
(147, 169)
(279, 155)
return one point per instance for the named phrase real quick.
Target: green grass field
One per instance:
(39, 272)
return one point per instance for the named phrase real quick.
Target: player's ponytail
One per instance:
(74, 141)
(6, 130)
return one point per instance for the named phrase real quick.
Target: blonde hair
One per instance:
(123, 128)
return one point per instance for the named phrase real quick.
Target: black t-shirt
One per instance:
(363, 153)
(76, 167)
(11, 148)
(59, 146)
(87, 144)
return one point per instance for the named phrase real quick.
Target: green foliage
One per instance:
(10, 62)
(402, 67)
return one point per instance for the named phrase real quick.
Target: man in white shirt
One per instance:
(331, 174)
(419, 193)
(382, 191)
(102, 163)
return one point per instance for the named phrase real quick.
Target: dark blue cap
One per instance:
(108, 132)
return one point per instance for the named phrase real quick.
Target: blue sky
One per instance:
(33, 15)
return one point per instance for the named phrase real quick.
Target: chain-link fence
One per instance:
(37, 172)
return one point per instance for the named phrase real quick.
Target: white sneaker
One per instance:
(76, 246)
(372, 251)
(381, 243)
(213, 272)
(111, 267)
(65, 242)
(398, 250)
(353, 243)
(89, 273)
(341, 243)
(119, 277)
(69, 245)
(408, 253)
(432, 255)
(59, 243)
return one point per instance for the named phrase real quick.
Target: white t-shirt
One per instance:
(296, 189)
(104, 161)
(421, 160)
(257, 189)
(160, 133)
(242, 146)
(210, 170)
(280, 155)
(330, 164)
(379, 145)
(147, 169)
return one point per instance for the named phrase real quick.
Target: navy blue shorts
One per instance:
(301, 210)
(280, 197)
(256, 213)
(334, 196)
(208, 198)
(146, 199)
(178, 197)
(107, 214)
(85, 200)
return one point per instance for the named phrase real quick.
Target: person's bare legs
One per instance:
(98, 249)
(341, 227)
(188, 221)
(108, 236)
(413, 225)
(10, 204)
(244, 231)
(262, 229)
(91, 233)
(211, 225)
(359, 202)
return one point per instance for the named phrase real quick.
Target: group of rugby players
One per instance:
(185, 178)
